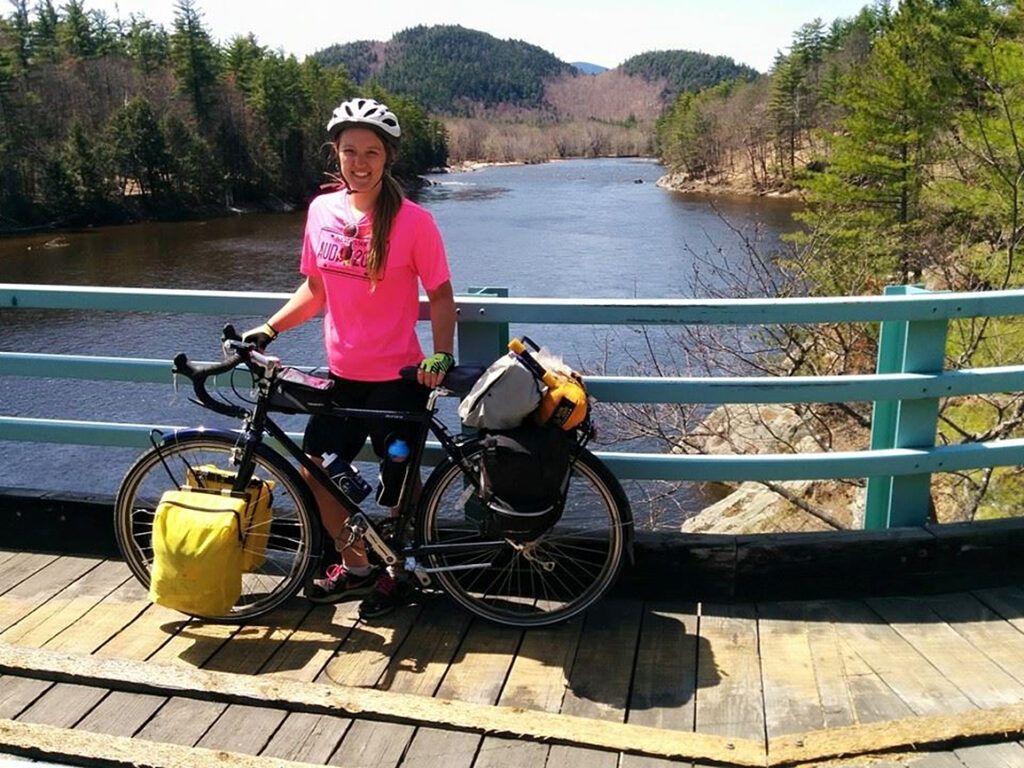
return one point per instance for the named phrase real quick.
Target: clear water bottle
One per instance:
(346, 477)
(392, 473)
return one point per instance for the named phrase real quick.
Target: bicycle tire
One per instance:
(294, 542)
(586, 546)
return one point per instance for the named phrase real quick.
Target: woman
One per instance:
(365, 251)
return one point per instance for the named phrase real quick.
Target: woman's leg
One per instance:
(334, 517)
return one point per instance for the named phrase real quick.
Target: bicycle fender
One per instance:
(263, 450)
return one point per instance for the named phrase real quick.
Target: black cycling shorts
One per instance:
(346, 435)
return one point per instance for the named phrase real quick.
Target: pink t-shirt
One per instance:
(371, 335)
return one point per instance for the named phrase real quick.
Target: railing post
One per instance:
(905, 347)
(482, 343)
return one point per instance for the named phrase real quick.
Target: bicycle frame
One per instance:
(260, 423)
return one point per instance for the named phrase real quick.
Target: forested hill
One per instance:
(686, 70)
(450, 68)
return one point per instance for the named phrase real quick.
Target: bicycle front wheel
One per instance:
(535, 583)
(287, 542)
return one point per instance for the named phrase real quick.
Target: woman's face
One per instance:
(363, 158)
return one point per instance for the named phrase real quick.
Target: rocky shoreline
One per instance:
(786, 507)
(730, 184)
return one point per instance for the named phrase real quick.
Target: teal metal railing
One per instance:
(905, 390)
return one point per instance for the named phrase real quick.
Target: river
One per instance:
(582, 228)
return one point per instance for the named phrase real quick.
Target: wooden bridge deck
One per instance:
(744, 671)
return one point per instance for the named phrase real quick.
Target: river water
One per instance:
(584, 228)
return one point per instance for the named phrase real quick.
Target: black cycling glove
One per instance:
(261, 335)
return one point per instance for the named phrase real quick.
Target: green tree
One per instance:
(139, 150)
(74, 31)
(44, 32)
(985, 194)
(21, 30)
(88, 173)
(195, 172)
(195, 58)
(868, 205)
(241, 60)
(146, 43)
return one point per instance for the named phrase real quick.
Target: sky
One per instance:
(605, 32)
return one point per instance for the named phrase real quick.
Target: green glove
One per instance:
(439, 362)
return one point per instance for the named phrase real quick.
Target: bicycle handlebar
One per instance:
(198, 374)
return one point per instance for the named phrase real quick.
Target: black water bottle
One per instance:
(346, 477)
(392, 473)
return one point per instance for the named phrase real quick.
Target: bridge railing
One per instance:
(905, 390)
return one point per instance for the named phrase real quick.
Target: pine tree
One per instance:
(21, 29)
(139, 150)
(869, 202)
(74, 31)
(195, 58)
(241, 59)
(987, 191)
(146, 43)
(44, 32)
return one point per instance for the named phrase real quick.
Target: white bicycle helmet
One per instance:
(363, 112)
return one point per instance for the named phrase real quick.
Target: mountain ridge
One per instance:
(454, 70)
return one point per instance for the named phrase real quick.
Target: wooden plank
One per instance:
(981, 680)
(870, 698)
(184, 720)
(991, 756)
(65, 705)
(105, 620)
(791, 699)
(836, 692)
(729, 674)
(417, 668)
(664, 674)
(385, 705)
(601, 675)
(897, 663)
(120, 714)
(537, 681)
(151, 632)
(46, 742)
(27, 595)
(64, 609)
(18, 693)
(475, 675)
(19, 566)
(984, 629)
(300, 657)
(998, 724)
(62, 705)
(362, 659)
(1008, 602)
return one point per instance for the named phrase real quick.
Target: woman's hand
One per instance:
(432, 370)
(261, 336)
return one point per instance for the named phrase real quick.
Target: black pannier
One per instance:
(524, 474)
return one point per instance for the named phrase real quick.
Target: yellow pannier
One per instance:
(197, 552)
(256, 521)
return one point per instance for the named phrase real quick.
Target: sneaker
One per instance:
(388, 593)
(339, 583)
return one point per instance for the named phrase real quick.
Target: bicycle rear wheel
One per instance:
(285, 553)
(527, 584)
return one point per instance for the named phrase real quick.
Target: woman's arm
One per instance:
(307, 300)
(442, 324)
